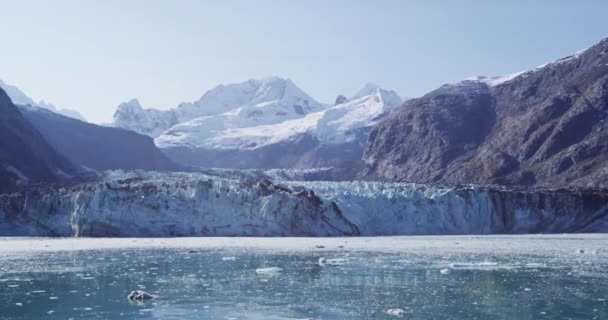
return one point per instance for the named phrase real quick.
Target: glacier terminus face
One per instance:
(196, 204)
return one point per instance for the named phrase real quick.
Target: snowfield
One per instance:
(231, 130)
(163, 205)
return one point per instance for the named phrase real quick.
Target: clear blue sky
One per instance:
(92, 55)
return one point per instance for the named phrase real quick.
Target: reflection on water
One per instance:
(224, 284)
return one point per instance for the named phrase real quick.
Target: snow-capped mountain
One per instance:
(239, 139)
(334, 125)
(20, 98)
(151, 122)
(253, 102)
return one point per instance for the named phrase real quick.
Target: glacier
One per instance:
(153, 204)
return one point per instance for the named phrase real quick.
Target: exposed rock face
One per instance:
(97, 147)
(340, 99)
(25, 156)
(544, 127)
(151, 204)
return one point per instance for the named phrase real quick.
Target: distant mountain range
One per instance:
(41, 147)
(97, 147)
(20, 98)
(269, 123)
(544, 127)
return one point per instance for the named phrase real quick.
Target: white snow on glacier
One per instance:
(181, 204)
(335, 125)
(249, 103)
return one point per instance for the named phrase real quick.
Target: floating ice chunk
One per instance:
(53, 298)
(445, 271)
(271, 271)
(138, 295)
(19, 304)
(332, 262)
(484, 265)
(395, 312)
(228, 258)
(527, 289)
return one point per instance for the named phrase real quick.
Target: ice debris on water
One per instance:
(269, 271)
(332, 262)
(138, 295)
(395, 312)
(228, 258)
(581, 251)
(445, 271)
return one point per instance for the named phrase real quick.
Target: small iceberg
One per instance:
(270, 271)
(140, 296)
(395, 312)
(332, 262)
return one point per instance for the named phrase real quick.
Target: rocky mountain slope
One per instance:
(97, 147)
(20, 98)
(152, 204)
(544, 127)
(25, 156)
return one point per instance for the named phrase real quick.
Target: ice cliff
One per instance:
(175, 204)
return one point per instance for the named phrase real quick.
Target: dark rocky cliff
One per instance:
(25, 156)
(545, 127)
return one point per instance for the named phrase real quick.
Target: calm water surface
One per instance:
(566, 281)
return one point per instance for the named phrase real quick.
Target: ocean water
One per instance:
(517, 277)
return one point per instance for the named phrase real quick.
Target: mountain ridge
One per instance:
(545, 126)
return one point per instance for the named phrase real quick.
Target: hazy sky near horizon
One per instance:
(91, 55)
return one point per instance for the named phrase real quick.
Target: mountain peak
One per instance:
(132, 103)
(367, 89)
(16, 95)
(20, 98)
(340, 99)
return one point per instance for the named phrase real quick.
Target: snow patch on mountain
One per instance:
(498, 80)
